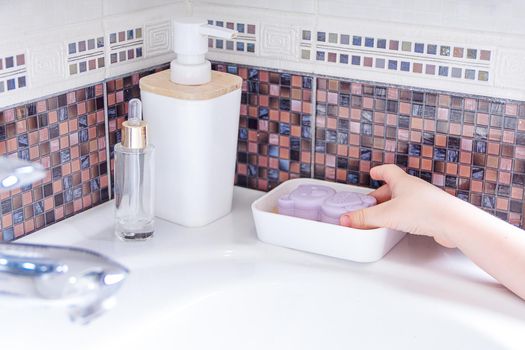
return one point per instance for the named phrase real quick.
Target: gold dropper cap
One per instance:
(135, 136)
(135, 130)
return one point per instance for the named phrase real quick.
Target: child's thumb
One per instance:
(367, 218)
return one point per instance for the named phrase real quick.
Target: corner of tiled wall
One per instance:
(331, 101)
(296, 125)
(358, 40)
(119, 91)
(275, 133)
(78, 60)
(66, 134)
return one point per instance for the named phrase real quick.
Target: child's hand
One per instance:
(409, 204)
(405, 203)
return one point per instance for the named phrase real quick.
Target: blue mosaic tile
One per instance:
(443, 71)
(8, 234)
(392, 64)
(431, 49)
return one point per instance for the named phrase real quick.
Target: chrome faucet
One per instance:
(17, 173)
(83, 280)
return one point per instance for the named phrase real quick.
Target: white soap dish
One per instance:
(319, 237)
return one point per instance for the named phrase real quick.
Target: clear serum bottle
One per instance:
(134, 178)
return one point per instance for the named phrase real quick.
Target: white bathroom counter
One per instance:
(219, 287)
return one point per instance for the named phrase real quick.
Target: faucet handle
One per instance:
(17, 172)
(80, 278)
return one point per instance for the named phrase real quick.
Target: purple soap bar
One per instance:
(305, 201)
(343, 202)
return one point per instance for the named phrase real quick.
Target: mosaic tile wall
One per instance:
(275, 140)
(290, 126)
(472, 147)
(275, 127)
(119, 92)
(65, 133)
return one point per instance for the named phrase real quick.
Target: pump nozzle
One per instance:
(218, 32)
(190, 43)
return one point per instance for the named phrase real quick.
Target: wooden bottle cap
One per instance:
(220, 84)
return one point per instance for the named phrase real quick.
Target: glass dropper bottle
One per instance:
(134, 178)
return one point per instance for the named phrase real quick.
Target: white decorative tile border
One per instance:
(85, 55)
(13, 72)
(278, 41)
(59, 59)
(438, 60)
(313, 40)
(125, 45)
(244, 43)
(157, 38)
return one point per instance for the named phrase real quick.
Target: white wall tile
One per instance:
(276, 39)
(511, 69)
(47, 61)
(482, 15)
(280, 46)
(295, 6)
(155, 41)
(42, 30)
(118, 7)
(19, 18)
(158, 38)
(46, 47)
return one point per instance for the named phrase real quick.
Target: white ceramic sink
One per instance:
(219, 288)
(283, 307)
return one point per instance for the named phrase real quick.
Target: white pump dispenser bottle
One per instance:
(193, 116)
(190, 43)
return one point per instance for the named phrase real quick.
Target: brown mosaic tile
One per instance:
(58, 132)
(275, 139)
(275, 123)
(473, 147)
(119, 92)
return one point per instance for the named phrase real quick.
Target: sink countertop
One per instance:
(219, 286)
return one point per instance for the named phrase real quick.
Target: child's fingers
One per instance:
(444, 242)
(382, 194)
(387, 172)
(368, 218)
